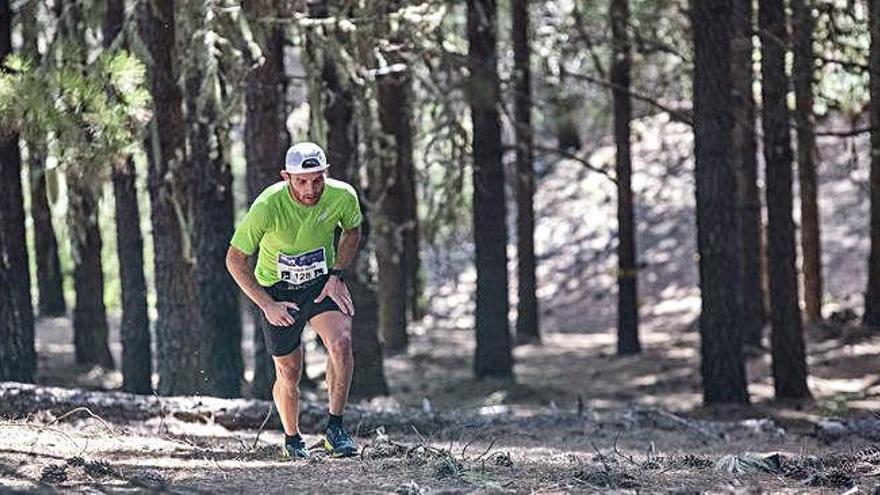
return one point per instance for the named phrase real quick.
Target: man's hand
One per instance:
(277, 313)
(336, 290)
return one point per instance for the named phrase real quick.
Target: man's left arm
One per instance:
(335, 287)
(347, 249)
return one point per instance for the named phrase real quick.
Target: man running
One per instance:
(298, 279)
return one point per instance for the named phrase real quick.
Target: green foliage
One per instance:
(93, 115)
(841, 46)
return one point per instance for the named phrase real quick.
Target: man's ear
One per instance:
(285, 176)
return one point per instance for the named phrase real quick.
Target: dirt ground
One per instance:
(577, 418)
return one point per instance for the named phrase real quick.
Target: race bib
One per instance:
(302, 268)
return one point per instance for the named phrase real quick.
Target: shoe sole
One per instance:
(338, 454)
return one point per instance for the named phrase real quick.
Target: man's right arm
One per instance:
(275, 311)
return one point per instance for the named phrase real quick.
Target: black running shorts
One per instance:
(281, 341)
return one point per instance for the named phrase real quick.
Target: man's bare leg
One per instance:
(285, 391)
(335, 330)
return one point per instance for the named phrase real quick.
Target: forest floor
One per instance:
(577, 418)
(638, 426)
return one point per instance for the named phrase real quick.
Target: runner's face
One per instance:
(306, 188)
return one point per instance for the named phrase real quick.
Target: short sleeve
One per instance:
(251, 229)
(351, 216)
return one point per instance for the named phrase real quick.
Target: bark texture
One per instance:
(137, 358)
(627, 275)
(212, 204)
(182, 362)
(527, 319)
(787, 339)
(493, 354)
(17, 356)
(811, 248)
(722, 365)
(745, 158)
(872, 295)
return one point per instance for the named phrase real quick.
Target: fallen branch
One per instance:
(87, 410)
(682, 422)
(262, 426)
(621, 455)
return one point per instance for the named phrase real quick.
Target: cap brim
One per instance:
(307, 170)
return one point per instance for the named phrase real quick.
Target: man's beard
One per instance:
(307, 200)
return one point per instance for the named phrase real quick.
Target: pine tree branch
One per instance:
(678, 115)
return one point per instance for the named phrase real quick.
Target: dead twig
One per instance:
(491, 444)
(623, 456)
(262, 426)
(683, 422)
(90, 413)
(162, 412)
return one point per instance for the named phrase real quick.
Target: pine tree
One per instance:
(787, 339)
(183, 358)
(493, 353)
(802, 24)
(627, 276)
(137, 365)
(527, 321)
(212, 211)
(50, 280)
(722, 366)
(745, 157)
(872, 295)
(18, 360)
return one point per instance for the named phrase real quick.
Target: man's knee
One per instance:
(341, 345)
(288, 371)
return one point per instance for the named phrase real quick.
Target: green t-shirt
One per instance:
(296, 241)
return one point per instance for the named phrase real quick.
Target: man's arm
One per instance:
(275, 311)
(347, 250)
(335, 287)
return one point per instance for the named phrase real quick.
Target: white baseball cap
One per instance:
(304, 158)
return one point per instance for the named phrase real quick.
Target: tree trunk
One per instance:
(745, 159)
(18, 359)
(627, 276)
(493, 355)
(388, 192)
(265, 143)
(722, 366)
(369, 375)
(137, 363)
(527, 328)
(802, 46)
(333, 121)
(50, 279)
(181, 336)
(90, 330)
(789, 362)
(212, 205)
(872, 296)
(411, 250)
